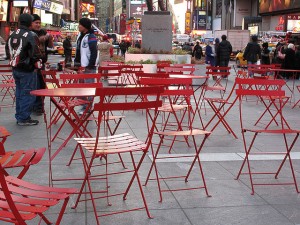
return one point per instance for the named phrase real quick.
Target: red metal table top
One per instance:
(65, 92)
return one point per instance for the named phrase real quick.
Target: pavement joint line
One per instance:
(222, 157)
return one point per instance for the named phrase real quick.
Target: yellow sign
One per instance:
(188, 22)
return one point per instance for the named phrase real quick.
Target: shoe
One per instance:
(29, 122)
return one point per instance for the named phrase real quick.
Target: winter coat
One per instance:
(197, 52)
(224, 50)
(209, 55)
(22, 49)
(289, 59)
(265, 56)
(252, 52)
(86, 51)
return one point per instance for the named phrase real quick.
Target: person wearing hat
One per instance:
(67, 44)
(43, 40)
(252, 52)
(86, 50)
(22, 54)
(105, 50)
(197, 51)
(210, 54)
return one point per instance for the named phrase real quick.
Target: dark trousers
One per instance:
(39, 102)
(68, 57)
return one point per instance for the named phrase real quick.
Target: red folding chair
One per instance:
(264, 88)
(19, 158)
(179, 110)
(23, 201)
(297, 103)
(218, 106)
(107, 146)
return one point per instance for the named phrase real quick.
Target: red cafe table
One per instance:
(66, 93)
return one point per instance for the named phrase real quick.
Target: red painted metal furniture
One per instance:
(19, 158)
(178, 108)
(107, 146)
(297, 103)
(264, 88)
(23, 201)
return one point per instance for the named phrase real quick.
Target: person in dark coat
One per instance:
(224, 51)
(209, 54)
(252, 52)
(197, 52)
(68, 49)
(289, 60)
(123, 48)
(265, 54)
(297, 60)
(217, 42)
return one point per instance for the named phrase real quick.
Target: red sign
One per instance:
(122, 23)
(281, 22)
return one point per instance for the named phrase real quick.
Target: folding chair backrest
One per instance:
(12, 211)
(50, 78)
(3, 136)
(217, 70)
(269, 92)
(180, 70)
(182, 86)
(101, 69)
(105, 93)
(79, 77)
(259, 87)
(185, 65)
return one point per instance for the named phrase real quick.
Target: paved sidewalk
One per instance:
(231, 202)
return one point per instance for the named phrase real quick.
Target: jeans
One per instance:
(40, 84)
(25, 82)
(250, 63)
(90, 80)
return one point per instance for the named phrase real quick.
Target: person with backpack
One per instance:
(197, 52)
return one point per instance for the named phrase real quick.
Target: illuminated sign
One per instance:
(293, 23)
(20, 3)
(188, 22)
(3, 10)
(48, 6)
(88, 7)
(281, 22)
(268, 6)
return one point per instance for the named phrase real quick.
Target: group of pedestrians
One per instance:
(216, 54)
(27, 52)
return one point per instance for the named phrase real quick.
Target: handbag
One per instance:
(280, 54)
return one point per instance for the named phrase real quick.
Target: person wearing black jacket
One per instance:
(252, 52)
(22, 53)
(197, 52)
(224, 51)
(68, 49)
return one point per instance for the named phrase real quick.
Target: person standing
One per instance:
(265, 54)
(289, 60)
(224, 51)
(86, 50)
(197, 52)
(67, 45)
(217, 42)
(209, 54)
(44, 40)
(22, 51)
(252, 52)
(123, 48)
(105, 49)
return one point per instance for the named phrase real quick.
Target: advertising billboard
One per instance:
(267, 6)
(293, 23)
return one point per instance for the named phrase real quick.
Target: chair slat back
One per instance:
(79, 78)
(129, 103)
(259, 87)
(50, 78)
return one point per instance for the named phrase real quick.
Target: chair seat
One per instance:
(192, 132)
(275, 131)
(73, 103)
(217, 88)
(218, 100)
(169, 108)
(112, 144)
(21, 157)
(30, 199)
